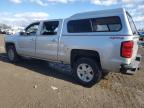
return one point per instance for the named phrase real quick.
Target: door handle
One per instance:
(32, 39)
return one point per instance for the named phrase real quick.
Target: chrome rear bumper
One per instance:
(133, 67)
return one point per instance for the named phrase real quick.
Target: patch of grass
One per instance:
(2, 40)
(1, 36)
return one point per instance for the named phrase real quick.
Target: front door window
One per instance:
(32, 29)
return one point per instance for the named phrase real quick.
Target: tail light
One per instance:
(127, 49)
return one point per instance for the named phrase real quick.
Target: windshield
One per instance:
(133, 27)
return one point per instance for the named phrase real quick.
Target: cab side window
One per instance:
(32, 29)
(106, 24)
(50, 28)
(79, 26)
(103, 24)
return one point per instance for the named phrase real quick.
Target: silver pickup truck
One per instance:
(91, 42)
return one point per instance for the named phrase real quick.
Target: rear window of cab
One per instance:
(103, 24)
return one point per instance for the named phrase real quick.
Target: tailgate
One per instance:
(135, 36)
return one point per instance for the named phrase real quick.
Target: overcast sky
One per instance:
(23, 12)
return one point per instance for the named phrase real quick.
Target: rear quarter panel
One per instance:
(107, 44)
(108, 48)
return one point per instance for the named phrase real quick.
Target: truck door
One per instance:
(26, 42)
(48, 40)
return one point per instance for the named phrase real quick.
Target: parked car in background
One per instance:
(141, 40)
(2, 31)
(9, 32)
(91, 42)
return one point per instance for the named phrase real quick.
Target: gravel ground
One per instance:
(33, 84)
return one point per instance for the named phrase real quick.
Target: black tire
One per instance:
(16, 57)
(97, 72)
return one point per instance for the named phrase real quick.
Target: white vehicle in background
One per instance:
(9, 32)
(91, 42)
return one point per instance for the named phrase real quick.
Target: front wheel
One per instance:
(12, 54)
(87, 72)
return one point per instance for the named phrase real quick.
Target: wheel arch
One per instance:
(7, 44)
(80, 53)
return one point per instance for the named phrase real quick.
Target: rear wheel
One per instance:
(87, 72)
(12, 54)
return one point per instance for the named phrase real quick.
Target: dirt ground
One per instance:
(33, 84)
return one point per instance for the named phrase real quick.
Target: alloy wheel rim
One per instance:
(85, 72)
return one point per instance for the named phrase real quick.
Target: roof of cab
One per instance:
(100, 12)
